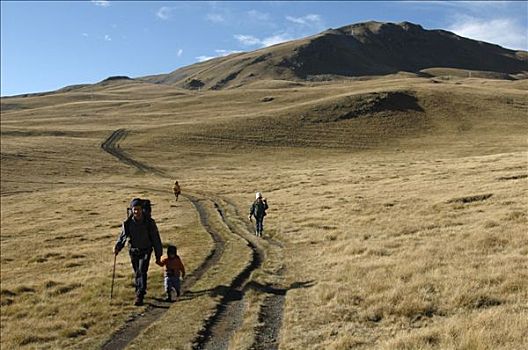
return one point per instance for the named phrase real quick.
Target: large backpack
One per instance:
(259, 209)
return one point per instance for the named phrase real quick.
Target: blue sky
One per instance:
(49, 45)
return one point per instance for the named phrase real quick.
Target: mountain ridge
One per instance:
(362, 49)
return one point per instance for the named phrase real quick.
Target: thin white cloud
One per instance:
(258, 16)
(179, 53)
(276, 39)
(102, 3)
(85, 35)
(311, 19)
(215, 17)
(295, 20)
(501, 31)
(164, 13)
(250, 40)
(205, 58)
(107, 37)
(219, 53)
(226, 52)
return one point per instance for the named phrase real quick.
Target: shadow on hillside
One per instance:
(225, 291)
(270, 289)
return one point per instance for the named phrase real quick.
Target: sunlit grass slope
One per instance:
(400, 202)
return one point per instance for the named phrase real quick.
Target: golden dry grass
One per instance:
(57, 266)
(402, 259)
(391, 239)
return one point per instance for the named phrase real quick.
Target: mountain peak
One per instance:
(361, 49)
(375, 27)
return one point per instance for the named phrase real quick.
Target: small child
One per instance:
(176, 189)
(173, 268)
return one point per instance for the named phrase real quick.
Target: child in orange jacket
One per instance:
(173, 268)
(176, 189)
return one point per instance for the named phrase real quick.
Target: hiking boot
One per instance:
(168, 298)
(138, 301)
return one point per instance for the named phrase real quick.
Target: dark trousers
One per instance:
(140, 263)
(172, 282)
(259, 224)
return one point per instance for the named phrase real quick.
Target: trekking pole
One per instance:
(113, 277)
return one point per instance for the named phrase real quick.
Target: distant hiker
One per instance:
(142, 233)
(173, 268)
(258, 210)
(177, 190)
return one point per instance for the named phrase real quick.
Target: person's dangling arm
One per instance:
(121, 239)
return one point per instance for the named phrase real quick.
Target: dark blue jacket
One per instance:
(141, 235)
(258, 209)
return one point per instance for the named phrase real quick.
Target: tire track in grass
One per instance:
(267, 332)
(111, 145)
(270, 321)
(134, 326)
(229, 314)
(137, 323)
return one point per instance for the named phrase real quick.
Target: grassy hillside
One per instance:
(397, 210)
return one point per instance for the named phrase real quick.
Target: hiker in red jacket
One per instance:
(173, 268)
(176, 189)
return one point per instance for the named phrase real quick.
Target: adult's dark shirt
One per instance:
(142, 235)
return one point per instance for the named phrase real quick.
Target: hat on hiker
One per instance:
(136, 202)
(258, 195)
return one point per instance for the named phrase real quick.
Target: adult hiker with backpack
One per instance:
(143, 236)
(258, 210)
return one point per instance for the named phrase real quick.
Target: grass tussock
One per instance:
(476, 331)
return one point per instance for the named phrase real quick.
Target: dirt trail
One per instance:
(270, 315)
(111, 145)
(229, 313)
(270, 319)
(156, 309)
